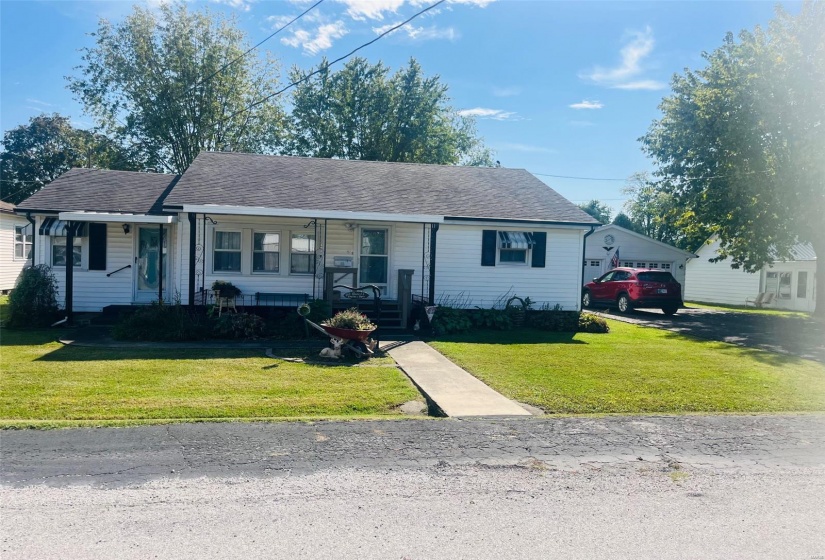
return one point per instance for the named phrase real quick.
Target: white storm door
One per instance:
(374, 262)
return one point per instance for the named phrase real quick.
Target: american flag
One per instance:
(614, 262)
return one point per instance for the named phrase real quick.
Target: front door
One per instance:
(149, 266)
(374, 264)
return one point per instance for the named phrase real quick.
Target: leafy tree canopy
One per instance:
(740, 142)
(37, 153)
(363, 112)
(168, 82)
(623, 220)
(598, 210)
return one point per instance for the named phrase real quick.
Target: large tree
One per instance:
(598, 210)
(35, 154)
(174, 82)
(363, 112)
(656, 213)
(740, 143)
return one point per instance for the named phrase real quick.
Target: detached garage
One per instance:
(612, 245)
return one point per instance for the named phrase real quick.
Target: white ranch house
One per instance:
(15, 245)
(284, 229)
(792, 282)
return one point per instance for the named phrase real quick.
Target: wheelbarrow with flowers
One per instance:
(349, 330)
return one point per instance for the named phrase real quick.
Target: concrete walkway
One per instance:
(453, 390)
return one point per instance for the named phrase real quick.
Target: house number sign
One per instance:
(356, 294)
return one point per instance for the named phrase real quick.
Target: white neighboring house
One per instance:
(286, 228)
(792, 282)
(15, 245)
(634, 250)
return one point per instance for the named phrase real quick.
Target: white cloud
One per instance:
(477, 3)
(632, 55)
(641, 84)
(318, 40)
(582, 123)
(242, 5)
(485, 113)
(421, 33)
(38, 102)
(371, 9)
(511, 91)
(526, 148)
(585, 104)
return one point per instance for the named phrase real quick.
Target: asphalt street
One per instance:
(611, 487)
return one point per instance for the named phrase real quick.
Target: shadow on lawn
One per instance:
(28, 337)
(763, 355)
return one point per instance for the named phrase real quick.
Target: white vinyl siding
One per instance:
(461, 278)
(10, 267)
(93, 290)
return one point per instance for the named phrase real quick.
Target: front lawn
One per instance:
(636, 370)
(45, 383)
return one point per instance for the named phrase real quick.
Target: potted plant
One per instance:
(225, 289)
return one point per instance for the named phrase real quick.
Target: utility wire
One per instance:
(337, 60)
(233, 61)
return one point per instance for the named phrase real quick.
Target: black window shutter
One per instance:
(539, 249)
(97, 246)
(488, 247)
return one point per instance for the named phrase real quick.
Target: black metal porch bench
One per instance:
(279, 299)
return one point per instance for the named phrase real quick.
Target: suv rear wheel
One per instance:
(586, 301)
(623, 303)
(670, 310)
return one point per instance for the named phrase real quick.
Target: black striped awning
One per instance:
(59, 228)
(515, 239)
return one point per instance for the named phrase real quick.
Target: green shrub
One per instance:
(239, 325)
(319, 310)
(592, 324)
(495, 319)
(33, 302)
(448, 320)
(163, 322)
(554, 321)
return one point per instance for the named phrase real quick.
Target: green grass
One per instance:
(636, 370)
(746, 309)
(47, 384)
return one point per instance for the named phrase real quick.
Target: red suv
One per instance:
(630, 288)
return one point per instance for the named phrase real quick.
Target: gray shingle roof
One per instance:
(102, 190)
(6, 207)
(235, 179)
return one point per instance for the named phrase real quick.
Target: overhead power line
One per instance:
(234, 60)
(337, 60)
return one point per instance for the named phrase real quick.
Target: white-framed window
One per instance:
(302, 253)
(627, 264)
(514, 247)
(654, 265)
(665, 266)
(60, 254)
(22, 243)
(641, 265)
(266, 251)
(595, 263)
(802, 284)
(226, 254)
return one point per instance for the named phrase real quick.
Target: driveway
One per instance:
(798, 336)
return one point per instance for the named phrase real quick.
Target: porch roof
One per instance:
(316, 185)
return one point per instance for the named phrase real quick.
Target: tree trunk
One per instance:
(819, 276)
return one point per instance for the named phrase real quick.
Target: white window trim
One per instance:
(390, 233)
(24, 243)
(290, 253)
(84, 252)
(252, 251)
(215, 232)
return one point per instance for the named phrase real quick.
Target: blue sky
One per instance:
(558, 88)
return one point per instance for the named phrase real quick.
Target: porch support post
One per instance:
(192, 250)
(69, 270)
(160, 263)
(433, 232)
(34, 237)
